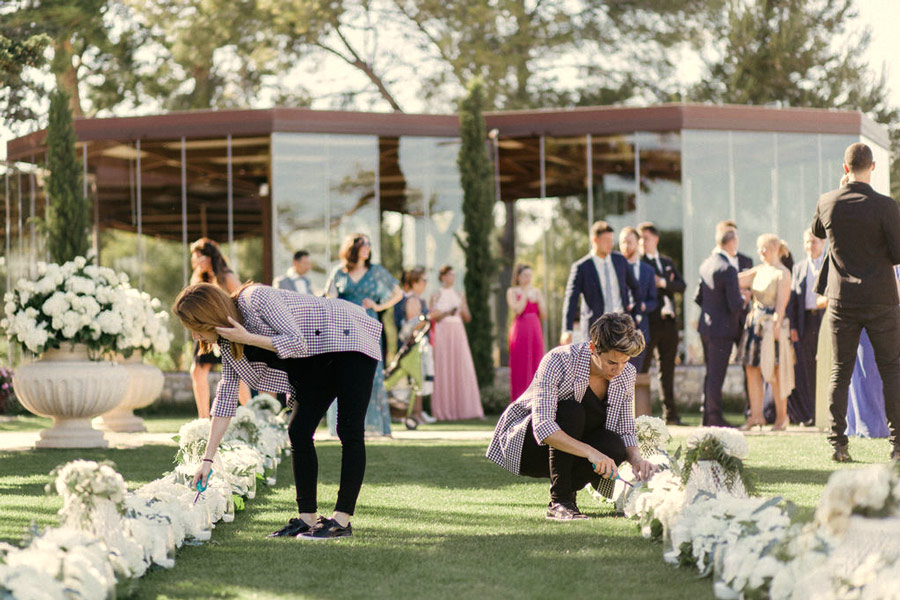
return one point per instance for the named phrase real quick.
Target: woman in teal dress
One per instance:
(371, 286)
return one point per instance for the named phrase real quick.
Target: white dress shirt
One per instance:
(813, 266)
(609, 284)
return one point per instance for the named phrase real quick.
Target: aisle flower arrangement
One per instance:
(759, 547)
(109, 536)
(77, 302)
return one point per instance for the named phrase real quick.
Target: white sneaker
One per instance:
(428, 418)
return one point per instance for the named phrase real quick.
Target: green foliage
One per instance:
(477, 206)
(710, 448)
(494, 399)
(68, 219)
(20, 48)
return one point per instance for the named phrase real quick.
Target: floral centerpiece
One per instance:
(652, 435)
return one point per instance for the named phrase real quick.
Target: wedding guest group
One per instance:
(320, 350)
(526, 334)
(210, 266)
(862, 228)
(574, 424)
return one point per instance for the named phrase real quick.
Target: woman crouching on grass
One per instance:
(575, 422)
(315, 348)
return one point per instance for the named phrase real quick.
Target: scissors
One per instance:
(202, 488)
(626, 482)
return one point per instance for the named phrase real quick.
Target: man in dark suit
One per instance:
(742, 263)
(719, 297)
(863, 231)
(663, 325)
(805, 316)
(646, 301)
(602, 280)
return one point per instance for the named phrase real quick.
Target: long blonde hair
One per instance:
(202, 307)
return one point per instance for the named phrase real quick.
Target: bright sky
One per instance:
(881, 16)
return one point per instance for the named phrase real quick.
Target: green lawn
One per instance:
(435, 519)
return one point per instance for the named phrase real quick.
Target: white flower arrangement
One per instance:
(81, 303)
(265, 405)
(870, 491)
(652, 435)
(725, 449)
(657, 505)
(732, 441)
(111, 535)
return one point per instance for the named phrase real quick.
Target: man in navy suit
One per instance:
(806, 318)
(663, 324)
(721, 305)
(602, 280)
(645, 302)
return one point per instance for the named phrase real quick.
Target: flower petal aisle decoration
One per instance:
(108, 537)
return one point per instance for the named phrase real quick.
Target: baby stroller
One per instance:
(411, 372)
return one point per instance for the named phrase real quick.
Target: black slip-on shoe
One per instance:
(841, 454)
(292, 529)
(564, 511)
(326, 529)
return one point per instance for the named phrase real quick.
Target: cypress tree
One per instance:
(477, 206)
(68, 218)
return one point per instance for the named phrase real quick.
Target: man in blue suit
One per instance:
(721, 306)
(645, 302)
(806, 318)
(602, 280)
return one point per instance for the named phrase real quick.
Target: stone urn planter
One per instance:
(69, 387)
(145, 383)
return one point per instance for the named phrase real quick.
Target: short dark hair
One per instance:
(858, 157)
(648, 226)
(444, 270)
(300, 254)
(412, 277)
(617, 331)
(600, 227)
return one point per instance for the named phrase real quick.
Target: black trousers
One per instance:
(317, 381)
(569, 473)
(664, 339)
(716, 352)
(801, 404)
(882, 323)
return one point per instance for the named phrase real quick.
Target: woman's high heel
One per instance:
(780, 426)
(751, 423)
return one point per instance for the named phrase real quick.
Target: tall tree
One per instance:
(93, 47)
(69, 215)
(477, 206)
(20, 48)
(786, 52)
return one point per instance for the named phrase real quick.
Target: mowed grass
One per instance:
(435, 519)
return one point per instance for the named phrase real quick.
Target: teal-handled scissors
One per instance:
(626, 482)
(202, 488)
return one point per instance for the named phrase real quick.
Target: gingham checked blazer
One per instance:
(562, 375)
(300, 326)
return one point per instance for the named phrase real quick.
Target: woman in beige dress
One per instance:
(765, 349)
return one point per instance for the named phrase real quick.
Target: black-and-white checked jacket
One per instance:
(300, 326)
(563, 374)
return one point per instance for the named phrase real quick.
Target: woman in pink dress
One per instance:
(526, 336)
(456, 394)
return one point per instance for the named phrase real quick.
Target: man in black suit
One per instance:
(719, 297)
(663, 325)
(805, 316)
(863, 232)
(602, 279)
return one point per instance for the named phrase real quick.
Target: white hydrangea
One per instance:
(733, 441)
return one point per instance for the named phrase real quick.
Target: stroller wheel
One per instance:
(410, 423)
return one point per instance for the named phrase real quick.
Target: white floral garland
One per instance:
(109, 536)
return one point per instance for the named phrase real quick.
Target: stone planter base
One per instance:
(71, 433)
(145, 382)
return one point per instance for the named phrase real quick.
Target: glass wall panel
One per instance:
(881, 176)
(767, 182)
(433, 206)
(323, 188)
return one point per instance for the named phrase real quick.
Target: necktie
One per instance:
(607, 287)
